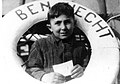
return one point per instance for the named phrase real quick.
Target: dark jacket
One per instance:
(49, 51)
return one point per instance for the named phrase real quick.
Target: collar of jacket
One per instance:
(54, 40)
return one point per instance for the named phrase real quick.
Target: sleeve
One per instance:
(81, 55)
(35, 65)
(85, 56)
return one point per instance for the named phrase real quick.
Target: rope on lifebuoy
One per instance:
(104, 62)
(113, 17)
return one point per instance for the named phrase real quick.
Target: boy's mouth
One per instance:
(63, 33)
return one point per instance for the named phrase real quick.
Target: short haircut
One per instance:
(60, 9)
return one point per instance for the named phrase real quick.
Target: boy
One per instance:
(62, 46)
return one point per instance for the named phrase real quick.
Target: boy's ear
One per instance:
(49, 27)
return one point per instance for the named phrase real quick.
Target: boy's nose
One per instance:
(63, 26)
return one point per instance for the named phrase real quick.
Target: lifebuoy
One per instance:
(104, 61)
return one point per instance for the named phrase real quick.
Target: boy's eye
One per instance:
(67, 22)
(58, 23)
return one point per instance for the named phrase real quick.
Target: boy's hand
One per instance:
(53, 78)
(77, 71)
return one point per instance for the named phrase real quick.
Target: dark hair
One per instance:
(60, 9)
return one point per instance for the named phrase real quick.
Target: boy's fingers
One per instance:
(57, 81)
(80, 75)
(74, 67)
(59, 77)
(76, 70)
(77, 75)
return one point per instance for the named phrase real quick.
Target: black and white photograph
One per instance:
(60, 42)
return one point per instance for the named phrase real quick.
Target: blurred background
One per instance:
(102, 7)
(109, 10)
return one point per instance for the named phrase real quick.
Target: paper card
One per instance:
(64, 68)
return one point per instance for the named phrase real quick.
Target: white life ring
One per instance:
(104, 61)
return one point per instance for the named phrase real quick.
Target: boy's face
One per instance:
(62, 26)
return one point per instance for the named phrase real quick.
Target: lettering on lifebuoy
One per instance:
(30, 8)
(23, 15)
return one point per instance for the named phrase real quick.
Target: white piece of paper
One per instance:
(64, 68)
